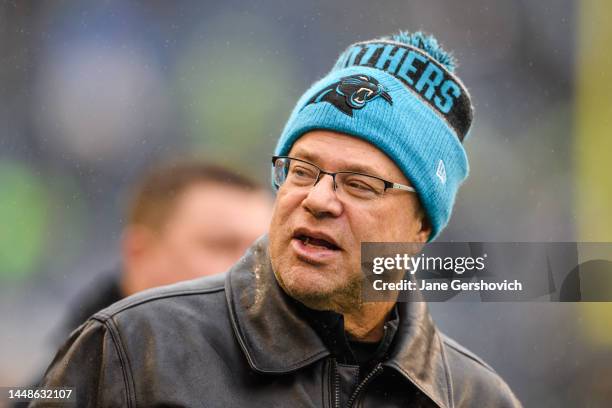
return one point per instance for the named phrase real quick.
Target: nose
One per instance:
(332, 175)
(322, 200)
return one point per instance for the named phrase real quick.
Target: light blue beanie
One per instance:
(398, 93)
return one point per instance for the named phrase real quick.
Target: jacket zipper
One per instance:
(376, 371)
(335, 383)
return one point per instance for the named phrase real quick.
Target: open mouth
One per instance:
(316, 242)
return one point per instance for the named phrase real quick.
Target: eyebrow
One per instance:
(357, 168)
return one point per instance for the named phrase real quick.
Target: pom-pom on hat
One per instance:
(400, 94)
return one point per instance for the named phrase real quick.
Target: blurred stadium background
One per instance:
(91, 93)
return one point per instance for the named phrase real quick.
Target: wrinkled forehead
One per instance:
(336, 151)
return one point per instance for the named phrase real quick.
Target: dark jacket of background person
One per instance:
(237, 340)
(101, 293)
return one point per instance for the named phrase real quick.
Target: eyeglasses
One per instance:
(300, 173)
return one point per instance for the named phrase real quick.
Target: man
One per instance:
(372, 152)
(185, 220)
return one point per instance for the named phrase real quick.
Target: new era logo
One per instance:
(441, 172)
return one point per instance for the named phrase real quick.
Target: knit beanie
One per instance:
(400, 94)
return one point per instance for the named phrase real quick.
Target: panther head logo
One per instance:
(352, 92)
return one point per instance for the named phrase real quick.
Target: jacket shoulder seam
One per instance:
(473, 357)
(106, 314)
(124, 361)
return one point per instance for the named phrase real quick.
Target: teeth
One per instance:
(314, 243)
(308, 241)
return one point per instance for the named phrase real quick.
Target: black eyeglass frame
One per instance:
(388, 184)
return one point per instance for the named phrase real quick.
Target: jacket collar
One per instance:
(276, 340)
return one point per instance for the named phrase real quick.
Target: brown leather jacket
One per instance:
(235, 340)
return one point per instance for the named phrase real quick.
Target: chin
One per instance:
(308, 282)
(314, 288)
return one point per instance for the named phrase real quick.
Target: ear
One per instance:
(425, 229)
(135, 241)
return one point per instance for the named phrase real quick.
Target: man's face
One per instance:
(209, 228)
(329, 278)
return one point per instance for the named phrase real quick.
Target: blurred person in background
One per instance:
(186, 219)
